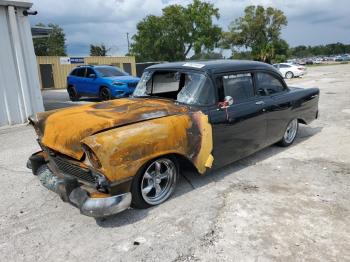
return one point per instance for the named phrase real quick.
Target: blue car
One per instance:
(104, 82)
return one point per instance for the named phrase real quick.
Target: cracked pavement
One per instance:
(280, 204)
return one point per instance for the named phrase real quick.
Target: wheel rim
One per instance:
(291, 131)
(289, 75)
(104, 94)
(158, 181)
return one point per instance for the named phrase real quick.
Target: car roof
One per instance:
(95, 66)
(214, 66)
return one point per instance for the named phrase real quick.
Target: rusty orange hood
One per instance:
(62, 130)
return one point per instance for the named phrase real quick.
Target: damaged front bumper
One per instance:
(71, 191)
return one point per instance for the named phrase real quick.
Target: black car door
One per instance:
(240, 128)
(278, 104)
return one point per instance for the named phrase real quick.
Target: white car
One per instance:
(289, 70)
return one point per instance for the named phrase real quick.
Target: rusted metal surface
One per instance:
(124, 150)
(118, 133)
(64, 129)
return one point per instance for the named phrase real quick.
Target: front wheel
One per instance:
(290, 133)
(105, 94)
(155, 182)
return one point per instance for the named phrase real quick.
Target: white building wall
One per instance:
(20, 94)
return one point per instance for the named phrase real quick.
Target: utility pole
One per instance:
(127, 38)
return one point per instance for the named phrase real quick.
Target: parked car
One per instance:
(105, 82)
(302, 62)
(338, 59)
(317, 61)
(289, 71)
(130, 151)
(309, 62)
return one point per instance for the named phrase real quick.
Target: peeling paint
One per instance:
(64, 129)
(116, 131)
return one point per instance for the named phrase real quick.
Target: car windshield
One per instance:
(185, 87)
(110, 71)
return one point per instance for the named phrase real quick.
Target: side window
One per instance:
(268, 84)
(81, 72)
(89, 71)
(238, 86)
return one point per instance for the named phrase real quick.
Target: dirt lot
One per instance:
(280, 204)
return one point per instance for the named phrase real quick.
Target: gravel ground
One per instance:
(281, 204)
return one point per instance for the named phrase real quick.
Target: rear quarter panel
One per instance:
(305, 103)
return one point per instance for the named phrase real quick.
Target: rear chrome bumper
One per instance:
(70, 191)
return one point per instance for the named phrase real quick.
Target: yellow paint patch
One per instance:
(209, 161)
(206, 145)
(124, 150)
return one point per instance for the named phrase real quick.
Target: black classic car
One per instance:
(104, 157)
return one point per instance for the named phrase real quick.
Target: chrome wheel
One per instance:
(158, 181)
(289, 75)
(291, 131)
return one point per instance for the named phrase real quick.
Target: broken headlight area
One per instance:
(95, 162)
(33, 120)
(102, 184)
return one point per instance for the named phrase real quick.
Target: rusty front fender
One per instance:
(124, 150)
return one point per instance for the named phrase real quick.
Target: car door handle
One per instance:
(260, 102)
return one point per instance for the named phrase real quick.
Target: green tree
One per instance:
(207, 56)
(300, 51)
(53, 45)
(242, 55)
(177, 32)
(258, 30)
(281, 51)
(98, 50)
(318, 50)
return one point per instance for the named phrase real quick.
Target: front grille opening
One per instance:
(71, 169)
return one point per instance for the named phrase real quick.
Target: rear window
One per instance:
(80, 72)
(166, 82)
(89, 71)
(268, 83)
(238, 86)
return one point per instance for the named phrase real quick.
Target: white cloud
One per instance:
(107, 21)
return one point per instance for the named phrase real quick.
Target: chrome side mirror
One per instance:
(228, 100)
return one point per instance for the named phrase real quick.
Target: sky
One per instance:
(310, 22)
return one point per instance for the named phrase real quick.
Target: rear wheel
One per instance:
(290, 133)
(73, 94)
(155, 182)
(289, 75)
(105, 94)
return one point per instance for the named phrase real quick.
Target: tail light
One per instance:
(301, 68)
